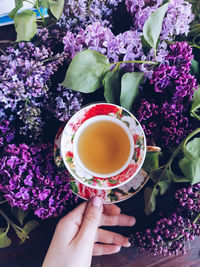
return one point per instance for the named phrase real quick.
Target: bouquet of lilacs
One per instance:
(149, 68)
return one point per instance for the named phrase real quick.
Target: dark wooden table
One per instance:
(31, 253)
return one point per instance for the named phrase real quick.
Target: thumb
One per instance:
(91, 220)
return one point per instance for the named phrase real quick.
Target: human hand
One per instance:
(75, 237)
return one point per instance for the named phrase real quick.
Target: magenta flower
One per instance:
(29, 179)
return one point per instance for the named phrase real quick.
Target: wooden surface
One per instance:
(31, 253)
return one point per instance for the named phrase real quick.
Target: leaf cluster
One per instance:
(21, 229)
(187, 156)
(26, 22)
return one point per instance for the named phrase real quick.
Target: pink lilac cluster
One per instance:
(177, 19)
(189, 198)
(29, 179)
(25, 76)
(169, 235)
(125, 46)
(80, 13)
(65, 103)
(164, 111)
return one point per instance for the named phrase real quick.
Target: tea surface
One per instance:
(104, 147)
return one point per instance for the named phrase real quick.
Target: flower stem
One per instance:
(41, 15)
(14, 226)
(135, 61)
(196, 219)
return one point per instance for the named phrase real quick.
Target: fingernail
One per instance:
(132, 221)
(97, 202)
(127, 244)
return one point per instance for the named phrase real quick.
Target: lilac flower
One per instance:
(164, 113)
(169, 234)
(7, 132)
(80, 13)
(125, 46)
(173, 79)
(177, 19)
(29, 179)
(65, 103)
(25, 75)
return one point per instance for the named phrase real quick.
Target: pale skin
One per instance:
(77, 236)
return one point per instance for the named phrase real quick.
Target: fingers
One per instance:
(111, 209)
(107, 237)
(91, 220)
(119, 220)
(101, 249)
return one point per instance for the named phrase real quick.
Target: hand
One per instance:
(75, 237)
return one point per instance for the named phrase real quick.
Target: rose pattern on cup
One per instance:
(67, 142)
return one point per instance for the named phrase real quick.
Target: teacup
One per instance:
(74, 159)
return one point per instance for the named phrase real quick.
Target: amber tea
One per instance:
(104, 147)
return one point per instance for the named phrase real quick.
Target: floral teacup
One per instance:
(80, 173)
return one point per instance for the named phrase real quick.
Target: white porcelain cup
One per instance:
(91, 121)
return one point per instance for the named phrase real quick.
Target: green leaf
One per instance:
(195, 68)
(165, 182)
(153, 26)
(19, 214)
(177, 178)
(129, 88)
(21, 234)
(190, 163)
(5, 241)
(43, 3)
(150, 195)
(74, 187)
(18, 5)
(86, 71)
(112, 87)
(195, 108)
(151, 161)
(30, 226)
(145, 46)
(25, 25)
(56, 7)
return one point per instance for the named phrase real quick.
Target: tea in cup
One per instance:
(103, 146)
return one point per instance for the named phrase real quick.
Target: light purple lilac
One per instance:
(176, 22)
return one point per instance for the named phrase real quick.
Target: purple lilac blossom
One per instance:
(80, 13)
(169, 235)
(65, 103)
(25, 76)
(164, 113)
(177, 20)
(125, 46)
(7, 132)
(29, 179)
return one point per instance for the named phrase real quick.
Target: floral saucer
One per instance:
(110, 195)
(70, 161)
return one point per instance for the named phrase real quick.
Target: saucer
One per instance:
(71, 163)
(110, 195)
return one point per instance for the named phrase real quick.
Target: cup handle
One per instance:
(152, 149)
